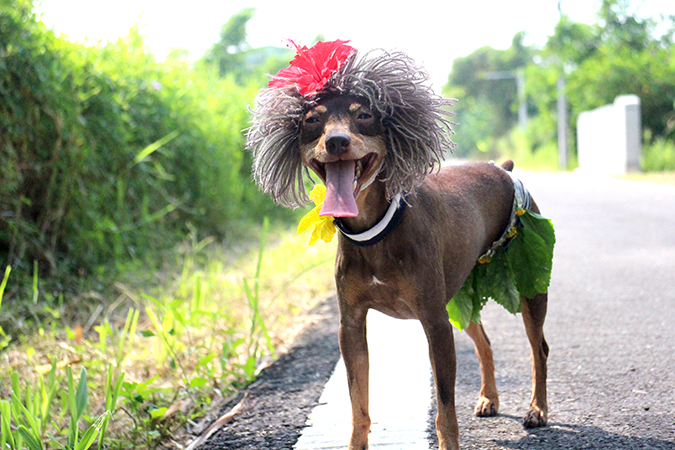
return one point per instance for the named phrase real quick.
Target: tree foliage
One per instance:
(227, 53)
(233, 55)
(485, 83)
(622, 53)
(107, 156)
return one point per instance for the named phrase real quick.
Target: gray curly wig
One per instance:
(417, 126)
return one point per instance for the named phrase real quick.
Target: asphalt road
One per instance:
(610, 324)
(610, 327)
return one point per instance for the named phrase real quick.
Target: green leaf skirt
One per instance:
(518, 267)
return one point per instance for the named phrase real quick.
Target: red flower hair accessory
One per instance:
(312, 67)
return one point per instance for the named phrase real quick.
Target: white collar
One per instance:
(379, 230)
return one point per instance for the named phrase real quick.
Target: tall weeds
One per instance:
(176, 351)
(109, 157)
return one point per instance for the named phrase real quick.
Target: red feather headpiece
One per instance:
(312, 67)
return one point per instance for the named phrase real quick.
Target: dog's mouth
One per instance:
(344, 180)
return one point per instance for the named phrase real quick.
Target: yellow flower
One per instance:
(323, 227)
(520, 211)
(485, 259)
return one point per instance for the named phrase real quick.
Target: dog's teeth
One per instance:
(357, 173)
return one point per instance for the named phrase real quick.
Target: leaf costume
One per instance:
(517, 265)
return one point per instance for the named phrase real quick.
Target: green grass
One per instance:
(657, 162)
(25, 419)
(159, 357)
(519, 146)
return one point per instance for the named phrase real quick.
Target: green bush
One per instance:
(619, 71)
(658, 155)
(530, 149)
(107, 156)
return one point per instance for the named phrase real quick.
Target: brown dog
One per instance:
(414, 264)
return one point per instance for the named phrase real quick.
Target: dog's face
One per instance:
(343, 141)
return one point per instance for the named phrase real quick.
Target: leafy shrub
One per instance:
(658, 155)
(618, 71)
(108, 156)
(531, 148)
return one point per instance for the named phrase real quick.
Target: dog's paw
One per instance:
(535, 418)
(486, 407)
(359, 439)
(360, 447)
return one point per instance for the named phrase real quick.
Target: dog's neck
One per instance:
(373, 205)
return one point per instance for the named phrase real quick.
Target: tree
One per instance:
(620, 28)
(234, 56)
(572, 42)
(228, 51)
(485, 83)
(622, 53)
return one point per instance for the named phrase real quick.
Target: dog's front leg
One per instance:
(439, 334)
(354, 348)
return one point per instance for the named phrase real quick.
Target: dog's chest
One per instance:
(384, 288)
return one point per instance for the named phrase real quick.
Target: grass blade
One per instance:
(33, 442)
(253, 297)
(127, 335)
(16, 408)
(4, 283)
(6, 436)
(36, 290)
(93, 431)
(48, 396)
(81, 396)
(258, 268)
(73, 429)
(150, 149)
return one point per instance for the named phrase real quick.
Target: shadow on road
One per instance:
(559, 436)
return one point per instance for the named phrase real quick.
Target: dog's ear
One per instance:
(273, 140)
(508, 165)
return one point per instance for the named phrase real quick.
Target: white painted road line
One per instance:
(400, 392)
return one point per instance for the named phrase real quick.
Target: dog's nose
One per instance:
(337, 144)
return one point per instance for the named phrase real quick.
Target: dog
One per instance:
(372, 130)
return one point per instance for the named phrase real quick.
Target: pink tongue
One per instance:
(340, 200)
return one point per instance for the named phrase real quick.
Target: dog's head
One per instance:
(343, 141)
(373, 117)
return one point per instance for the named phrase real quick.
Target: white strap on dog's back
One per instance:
(522, 197)
(521, 200)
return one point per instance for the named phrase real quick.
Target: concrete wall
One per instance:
(609, 138)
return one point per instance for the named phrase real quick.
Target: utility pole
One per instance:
(562, 111)
(562, 124)
(522, 98)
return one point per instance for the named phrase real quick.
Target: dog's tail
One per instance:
(508, 165)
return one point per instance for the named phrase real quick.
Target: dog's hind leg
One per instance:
(488, 399)
(534, 313)
(354, 349)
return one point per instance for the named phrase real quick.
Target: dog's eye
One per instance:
(364, 116)
(311, 120)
